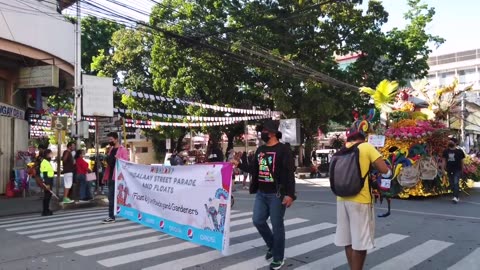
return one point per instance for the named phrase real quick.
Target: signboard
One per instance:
(37, 77)
(290, 129)
(10, 111)
(97, 96)
(59, 123)
(188, 202)
(168, 144)
(377, 140)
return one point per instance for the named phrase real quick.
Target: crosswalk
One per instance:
(127, 245)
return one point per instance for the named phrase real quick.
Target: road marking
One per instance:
(82, 229)
(36, 217)
(123, 245)
(293, 251)
(94, 233)
(213, 255)
(241, 215)
(470, 262)
(251, 230)
(106, 238)
(67, 227)
(339, 259)
(240, 222)
(54, 223)
(50, 221)
(414, 256)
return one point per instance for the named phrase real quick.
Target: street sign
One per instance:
(59, 123)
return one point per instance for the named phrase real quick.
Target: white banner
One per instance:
(189, 202)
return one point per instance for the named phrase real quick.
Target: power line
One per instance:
(290, 68)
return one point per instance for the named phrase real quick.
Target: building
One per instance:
(465, 66)
(37, 53)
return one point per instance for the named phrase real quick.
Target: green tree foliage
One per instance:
(290, 31)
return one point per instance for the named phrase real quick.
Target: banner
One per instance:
(189, 202)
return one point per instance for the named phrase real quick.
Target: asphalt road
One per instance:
(420, 234)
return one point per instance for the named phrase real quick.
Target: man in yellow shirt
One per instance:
(355, 215)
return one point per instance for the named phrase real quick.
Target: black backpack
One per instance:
(346, 177)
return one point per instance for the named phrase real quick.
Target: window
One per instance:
(141, 149)
(3, 90)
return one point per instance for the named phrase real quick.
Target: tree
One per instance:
(96, 36)
(399, 54)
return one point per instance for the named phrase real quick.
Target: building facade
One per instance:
(37, 53)
(465, 66)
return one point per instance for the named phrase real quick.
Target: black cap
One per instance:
(271, 126)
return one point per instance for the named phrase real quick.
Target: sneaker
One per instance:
(108, 220)
(49, 213)
(269, 255)
(67, 200)
(455, 200)
(277, 264)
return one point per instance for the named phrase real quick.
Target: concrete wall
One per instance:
(37, 24)
(142, 157)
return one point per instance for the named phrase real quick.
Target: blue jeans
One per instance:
(84, 187)
(454, 179)
(269, 205)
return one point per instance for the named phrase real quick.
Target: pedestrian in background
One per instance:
(68, 170)
(453, 163)
(117, 151)
(82, 169)
(47, 173)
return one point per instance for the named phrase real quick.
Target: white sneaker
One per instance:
(455, 200)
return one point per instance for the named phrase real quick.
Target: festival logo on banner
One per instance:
(188, 202)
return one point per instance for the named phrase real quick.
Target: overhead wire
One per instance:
(275, 63)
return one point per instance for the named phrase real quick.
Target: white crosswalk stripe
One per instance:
(234, 249)
(126, 243)
(469, 262)
(106, 238)
(79, 223)
(99, 232)
(37, 217)
(63, 222)
(82, 229)
(414, 256)
(339, 259)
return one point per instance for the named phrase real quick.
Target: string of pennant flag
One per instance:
(192, 118)
(198, 104)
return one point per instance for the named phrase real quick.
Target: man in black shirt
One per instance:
(214, 153)
(453, 163)
(273, 181)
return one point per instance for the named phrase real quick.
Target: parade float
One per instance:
(414, 126)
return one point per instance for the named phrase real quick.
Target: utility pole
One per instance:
(462, 120)
(78, 73)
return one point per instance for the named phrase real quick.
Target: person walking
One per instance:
(355, 216)
(47, 173)
(453, 164)
(68, 170)
(117, 151)
(81, 176)
(273, 182)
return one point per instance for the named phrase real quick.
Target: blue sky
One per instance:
(457, 21)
